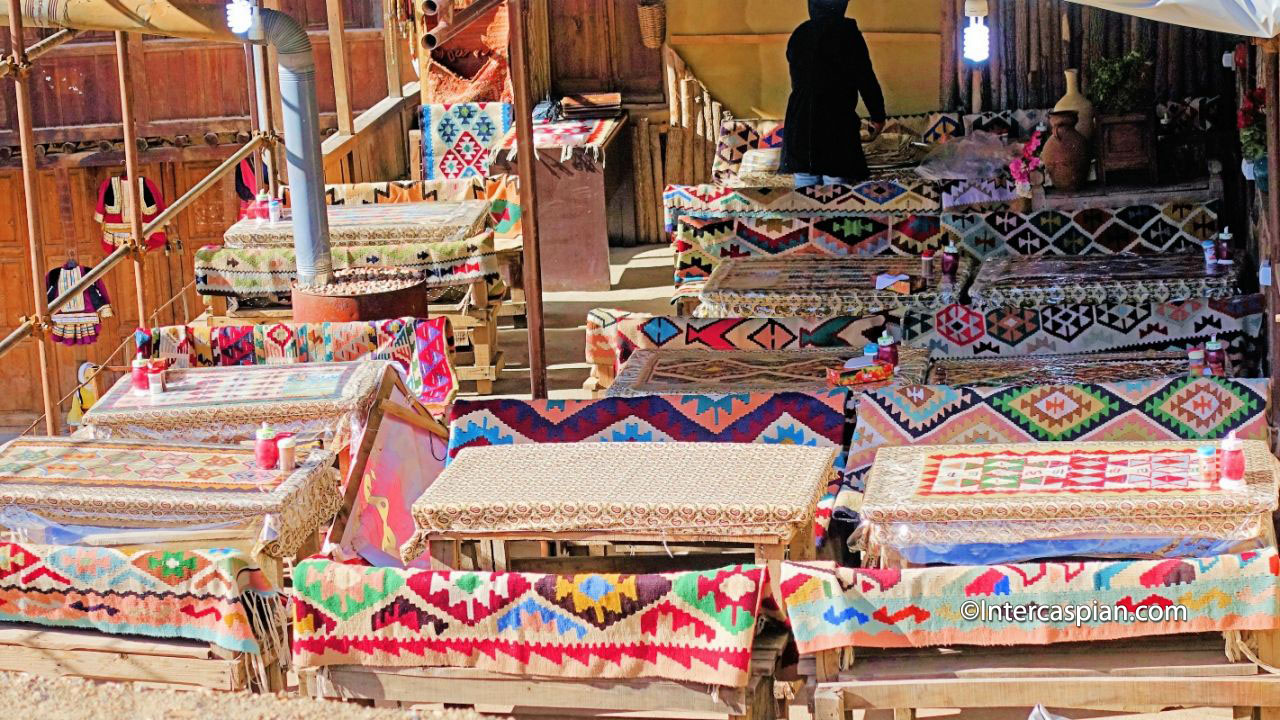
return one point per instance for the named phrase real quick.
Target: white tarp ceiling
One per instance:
(1256, 18)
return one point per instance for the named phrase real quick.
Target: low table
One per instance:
(173, 489)
(329, 401)
(762, 496)
(822, 287)
(1034, 282)
(987, 504)
(1058, 369)
(416, 222)
(702, 372)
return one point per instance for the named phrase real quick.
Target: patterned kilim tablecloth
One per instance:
(686, 626)
(834, 607)
(1024, 282)
(116, 483)
(923, 495)
(656, 372)
(822, 287)
(217, 596)
(266, 271)
(1058, 369)
(327, 400)
(566, 134)
(736, 491)
(415, 222)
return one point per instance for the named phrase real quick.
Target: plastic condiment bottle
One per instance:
(1206, 455)
(888, 351)
(950, 261)
(1195, 358)
(138, 374)
(1210, 255)
(260, 203)
(265, 450)
(274, 210)
(1222, 247)
(288, 453)
(1215, 356)
(1232, 462)
(870, 350)
(155, 381)
(926, 265)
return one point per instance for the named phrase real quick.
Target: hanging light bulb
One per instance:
(977, 36)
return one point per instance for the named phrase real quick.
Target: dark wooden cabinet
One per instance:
(1127, 143)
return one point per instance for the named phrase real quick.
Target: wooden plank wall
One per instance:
(1033, 41)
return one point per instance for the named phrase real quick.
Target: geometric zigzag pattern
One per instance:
(215, 596)
(784, 418)
(614, 335)
(1182, 408)
(958, 331)
(704, 239)
(686, 626)
(832, 607)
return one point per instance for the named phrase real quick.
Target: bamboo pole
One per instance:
(133, 178)
(686, 122)
(711, 128)
(35, 247)
(528, 163)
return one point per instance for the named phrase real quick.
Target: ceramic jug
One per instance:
(1075, 100)
(1066, 153)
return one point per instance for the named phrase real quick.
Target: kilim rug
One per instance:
(1059, 369)
(1182, 408)
(835, 607)
(614, 335)
(959, 331)
(656, 372)
(215, 596)
(458, 140)
(271, 271)
(690, 627)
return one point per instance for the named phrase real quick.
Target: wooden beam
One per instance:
(133, 176)
(338, 56)
(1083, 693)
(781, 38)
(391, 48)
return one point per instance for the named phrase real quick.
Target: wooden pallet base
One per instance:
(97, 656)
(1140, 675)
(551, 697)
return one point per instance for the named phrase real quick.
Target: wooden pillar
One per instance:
(35, 248)
(528, 160)
(338, 56)
(1271, 60)
(391, 48)
(132, 192)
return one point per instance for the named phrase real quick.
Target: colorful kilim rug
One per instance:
(656, 372)
(1025, 282)
(216, 596)
(614, 335)
(268, 271)
(835, 607)
(458, 141)
(959, 331)
(1059, 369)
(419, 347)
(759, 222)
(1145, 410)
(501, 191)
(823, 287)
(364, 225)
(116, 483)
(689, 627)
(566, 134)
(782, 418)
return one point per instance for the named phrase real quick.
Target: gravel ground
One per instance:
(31, 696)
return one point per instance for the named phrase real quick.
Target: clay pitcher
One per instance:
(1066, 153)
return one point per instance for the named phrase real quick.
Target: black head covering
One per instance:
(827, 8)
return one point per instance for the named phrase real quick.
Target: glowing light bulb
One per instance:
(977, 41)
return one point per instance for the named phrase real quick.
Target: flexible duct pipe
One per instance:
(204, 21)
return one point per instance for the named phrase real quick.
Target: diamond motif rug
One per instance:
(459, 140)
(215, 596)
(690, 626)
(835, 607)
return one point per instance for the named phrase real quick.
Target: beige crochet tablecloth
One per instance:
(327, 401)
(418, 222)
(690, 491)
(132, 484)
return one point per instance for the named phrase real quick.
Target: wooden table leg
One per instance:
(770, 555)
(828, 705)
(1269, 653)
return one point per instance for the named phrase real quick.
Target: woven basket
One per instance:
(653, 23)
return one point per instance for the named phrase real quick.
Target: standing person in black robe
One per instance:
(830, 70)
